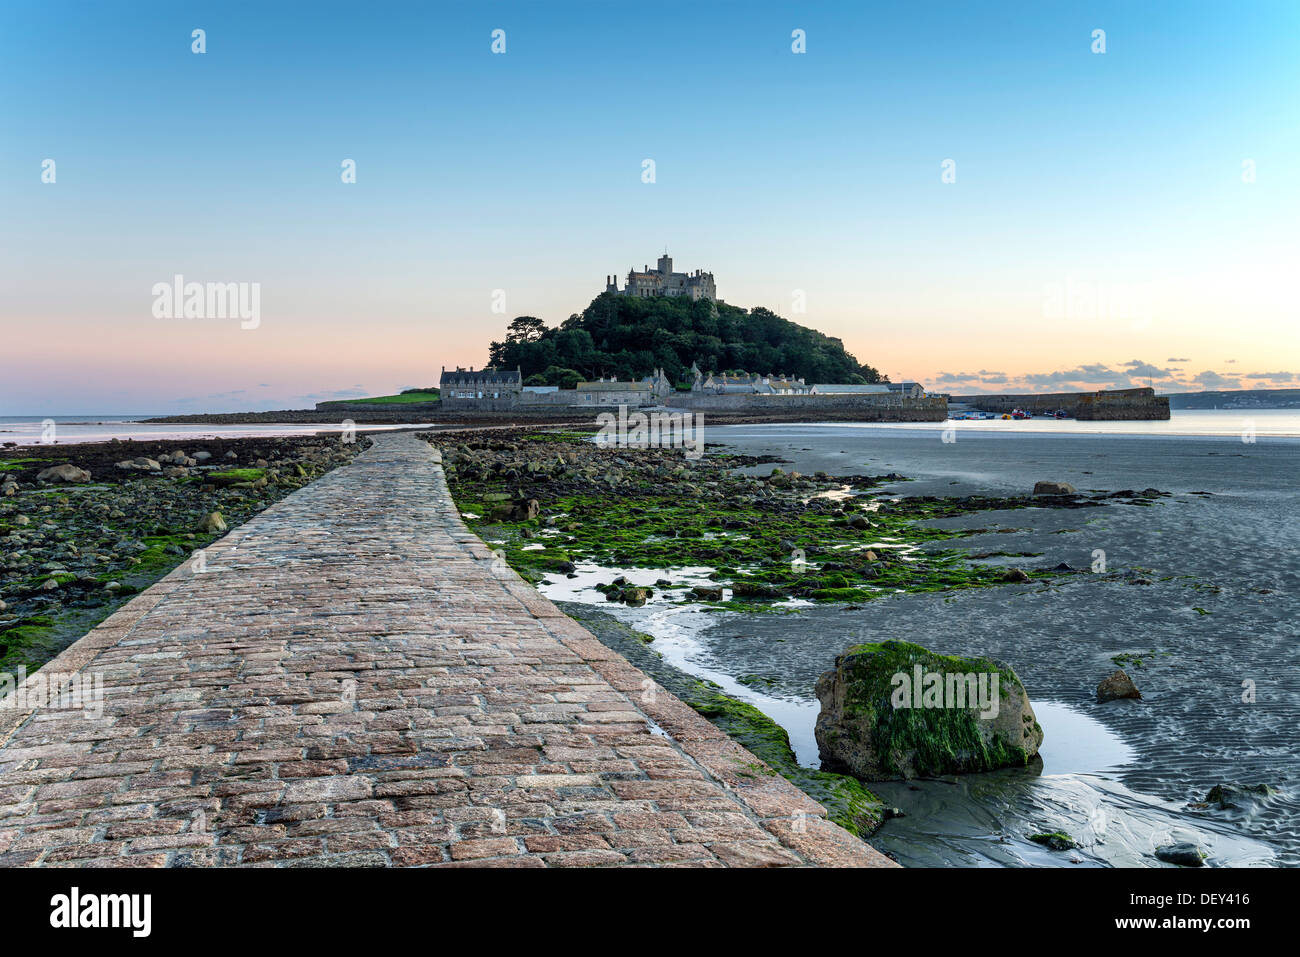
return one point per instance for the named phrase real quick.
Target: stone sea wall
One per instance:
(869, 408)
(865, 408)
(1105, 404)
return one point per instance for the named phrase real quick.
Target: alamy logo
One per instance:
(211, 300)
(935, 689)
(57, 691)
(75, 910)
(655, 430)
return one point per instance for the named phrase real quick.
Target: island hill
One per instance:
(639, 348)
(661, 341)
(665, 340)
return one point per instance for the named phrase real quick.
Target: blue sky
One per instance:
(1098, 225)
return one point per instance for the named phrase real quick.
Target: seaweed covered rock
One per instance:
(895, 710)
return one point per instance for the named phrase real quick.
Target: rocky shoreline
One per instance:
(84, 527)
(553, 500)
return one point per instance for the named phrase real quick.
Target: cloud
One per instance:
(1230, 361)
(1145, 370)
(1273, 376)
(356, 392)
(1091, 374)
(984, 379)
(1212, 381)
(1178, 360)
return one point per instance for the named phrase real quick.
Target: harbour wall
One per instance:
(1112, 404)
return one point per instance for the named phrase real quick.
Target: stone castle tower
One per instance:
(662, 281)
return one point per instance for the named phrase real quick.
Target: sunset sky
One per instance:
(1101, 230)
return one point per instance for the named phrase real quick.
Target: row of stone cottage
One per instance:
(499, 389)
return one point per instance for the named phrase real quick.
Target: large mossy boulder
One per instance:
(894, 710)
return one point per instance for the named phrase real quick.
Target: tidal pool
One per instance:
(976, 820)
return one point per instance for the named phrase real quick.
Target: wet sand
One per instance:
(1202, 587)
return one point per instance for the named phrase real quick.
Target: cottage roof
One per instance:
(483, 376)
(612, 386)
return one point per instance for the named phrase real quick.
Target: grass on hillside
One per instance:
(400, 399)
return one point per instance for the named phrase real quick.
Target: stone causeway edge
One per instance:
(794, 819)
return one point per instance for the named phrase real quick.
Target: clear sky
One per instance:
(1100, 230)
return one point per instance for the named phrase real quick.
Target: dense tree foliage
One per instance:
(630, 337)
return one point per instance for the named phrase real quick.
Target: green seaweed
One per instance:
(1056, 840)
(938, 740)
(663, 529)
(233, 476)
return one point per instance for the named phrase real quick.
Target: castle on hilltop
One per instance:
(664, 282)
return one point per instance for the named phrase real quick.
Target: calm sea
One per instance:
(69, 429)
(32, 430)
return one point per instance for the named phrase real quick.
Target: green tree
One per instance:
(525, 329)
(629, 337)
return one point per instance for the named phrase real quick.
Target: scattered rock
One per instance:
(141, 464)
(1227, 796)
(213, 522)
(1184, 854)
(1056, 840)
(876, 725)
(635, 597)
(1054, 488)
(705, 593)
(1118, 685)
(63, 473)
(744, 589)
